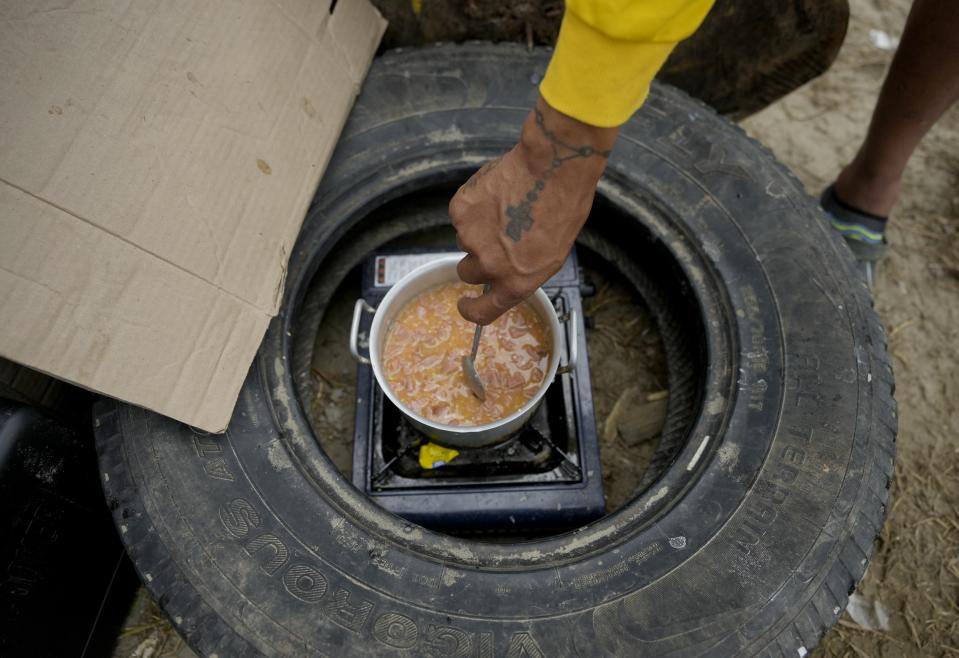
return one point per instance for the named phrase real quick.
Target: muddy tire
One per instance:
(747, 542)
(743, 57)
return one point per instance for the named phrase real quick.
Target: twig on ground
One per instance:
(899, 327)
(848, 642)
(611, 335)
(901, 358)
(912, 627)
(136, 630)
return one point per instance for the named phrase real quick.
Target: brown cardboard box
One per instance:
(156, 161)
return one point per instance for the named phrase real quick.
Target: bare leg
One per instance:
(922, 83)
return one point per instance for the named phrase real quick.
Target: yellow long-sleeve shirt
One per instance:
(608, 52)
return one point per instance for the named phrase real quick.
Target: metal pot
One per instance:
(431, 275)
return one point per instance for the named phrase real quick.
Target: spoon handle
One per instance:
(476, 340)
(479, 330)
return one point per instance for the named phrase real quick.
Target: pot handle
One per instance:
(356, 341)
(572, 346)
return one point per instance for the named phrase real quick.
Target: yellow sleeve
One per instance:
(608, 52)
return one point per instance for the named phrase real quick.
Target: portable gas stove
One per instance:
(546, 477)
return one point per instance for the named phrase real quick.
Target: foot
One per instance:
(868, 190)
(863, 232)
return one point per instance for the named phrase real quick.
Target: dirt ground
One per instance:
(914, 573)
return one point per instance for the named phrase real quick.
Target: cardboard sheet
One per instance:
(156, 162)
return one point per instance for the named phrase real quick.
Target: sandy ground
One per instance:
(914, 574)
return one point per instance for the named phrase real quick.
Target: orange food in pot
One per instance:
(423, 352)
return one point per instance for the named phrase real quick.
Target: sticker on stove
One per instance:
(390, 269)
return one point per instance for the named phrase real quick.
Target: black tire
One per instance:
(790, 42)
(748, 542)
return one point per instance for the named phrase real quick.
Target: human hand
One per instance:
(518, 216)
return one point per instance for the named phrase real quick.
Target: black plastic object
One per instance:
(65, 582)
(57, 399)
(546, 477)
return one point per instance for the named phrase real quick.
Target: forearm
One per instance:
(608, 53)
(558, 149)
(518, 216)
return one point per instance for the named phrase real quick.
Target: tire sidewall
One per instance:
(776, 452)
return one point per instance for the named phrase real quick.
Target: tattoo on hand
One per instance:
(521, 214)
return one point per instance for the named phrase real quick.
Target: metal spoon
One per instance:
(469, 363)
